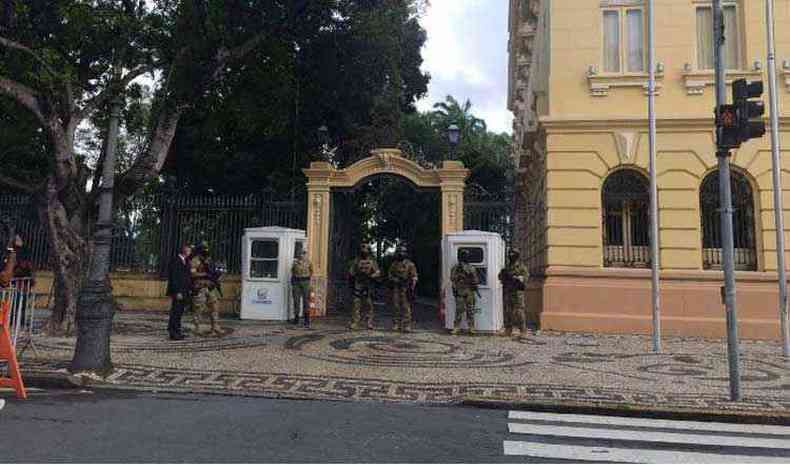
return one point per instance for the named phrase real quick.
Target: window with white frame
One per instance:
(623, 40)
(732, 42)
(264, 258)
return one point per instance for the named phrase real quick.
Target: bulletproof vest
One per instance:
(365, 268)
(464, 276)
(400, 269)
(202, 266)
(301, 268)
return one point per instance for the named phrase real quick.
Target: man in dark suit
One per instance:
(179, 288)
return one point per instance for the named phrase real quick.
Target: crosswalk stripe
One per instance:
(614, 454)
(646, 422)
(650, 436)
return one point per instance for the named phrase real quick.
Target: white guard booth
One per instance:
(267, 256)
(487, 254)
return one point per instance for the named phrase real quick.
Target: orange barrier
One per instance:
(311, 306)
(8, 353)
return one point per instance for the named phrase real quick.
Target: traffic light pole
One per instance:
(725, 196)
(777, 178)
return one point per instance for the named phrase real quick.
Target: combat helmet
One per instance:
(201, 248)
(514, 252)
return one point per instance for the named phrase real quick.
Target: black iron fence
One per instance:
(149, 228)
(486, 211)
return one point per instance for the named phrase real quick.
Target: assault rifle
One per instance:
(215, 272)
(507, 278)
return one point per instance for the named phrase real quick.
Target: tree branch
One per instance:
(8, 43)
(150, 163)
(224, 55)
(27, 97)
(108, 93)
(23, 95)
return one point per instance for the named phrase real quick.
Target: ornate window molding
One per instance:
(785, 73)
(601, 84)
(697, 81)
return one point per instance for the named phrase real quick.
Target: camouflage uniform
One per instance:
(205, 296)
(301, 272)
(363, 271)
(514, 278)
(403, 277)
(465, 282)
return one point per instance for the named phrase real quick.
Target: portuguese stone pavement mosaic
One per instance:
(429, 366)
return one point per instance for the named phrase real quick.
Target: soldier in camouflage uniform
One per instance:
(301, 272)
(403, 279)
(205, 293)
(364, 271)
(514, 279)
(465, 283)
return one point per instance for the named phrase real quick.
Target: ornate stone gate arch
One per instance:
(450, 179)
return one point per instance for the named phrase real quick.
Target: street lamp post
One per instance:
(326, 151)
(95, 306)
(454, 137)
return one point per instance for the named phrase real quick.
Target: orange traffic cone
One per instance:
(8, 353)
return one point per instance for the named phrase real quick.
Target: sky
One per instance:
(466, 55)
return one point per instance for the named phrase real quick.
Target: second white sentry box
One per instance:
(487, 256)
(267, 256)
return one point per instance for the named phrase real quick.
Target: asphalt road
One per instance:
(56, 426)
(114, 426)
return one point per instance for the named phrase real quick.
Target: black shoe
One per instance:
(177, 337)
(295, 321)
(307, 324)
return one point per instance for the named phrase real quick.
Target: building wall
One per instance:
(595, 124)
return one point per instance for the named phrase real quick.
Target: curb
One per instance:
(635, 411)
(61, 381)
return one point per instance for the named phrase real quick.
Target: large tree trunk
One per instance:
(69, 253)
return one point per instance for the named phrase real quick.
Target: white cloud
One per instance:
(466, 55)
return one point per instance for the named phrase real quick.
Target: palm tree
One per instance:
(452, 112)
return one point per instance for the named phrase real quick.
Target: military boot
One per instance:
(508, 332)
(471, 331)
(406, 328)
(396, 326)
(455, 331)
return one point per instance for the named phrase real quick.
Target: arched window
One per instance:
(742, 222)
(626, 220)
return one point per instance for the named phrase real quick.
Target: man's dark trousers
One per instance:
(176, 312)
(179, 282)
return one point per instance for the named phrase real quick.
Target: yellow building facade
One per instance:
(578, 82)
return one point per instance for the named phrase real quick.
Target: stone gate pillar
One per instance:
(318, 208)
(453, 180)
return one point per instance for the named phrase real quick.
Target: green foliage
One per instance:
(486, 154)
(336, 64)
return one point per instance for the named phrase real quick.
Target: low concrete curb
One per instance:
(641, 411)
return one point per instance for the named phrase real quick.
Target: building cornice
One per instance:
(684, 124)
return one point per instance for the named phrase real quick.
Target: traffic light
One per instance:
(741, 121)
(728, 129)
(747, 109)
